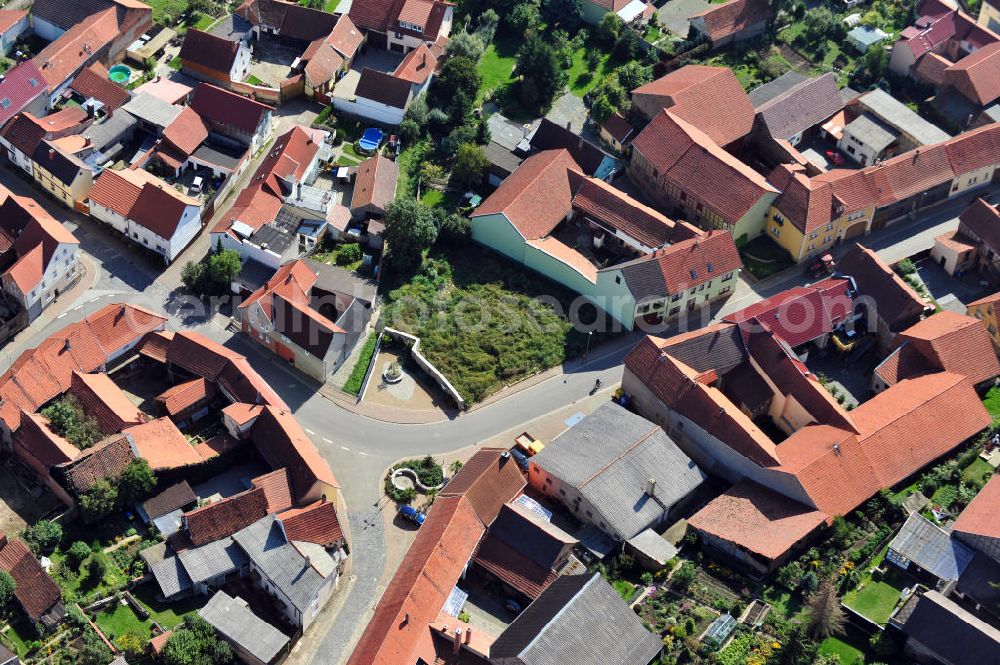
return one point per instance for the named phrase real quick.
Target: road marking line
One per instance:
(310, 432)
(361, 452)
(345, 448)
(327, 440)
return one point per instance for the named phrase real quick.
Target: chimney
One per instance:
(651, 487)
(52, 153)
(67, 345)
(468, 636)
(458, 640)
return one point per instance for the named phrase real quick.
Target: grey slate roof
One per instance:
(653, 545)
(610, 455)
(807, 104)
(951, 632)
(210, 560)
(238, 624)
(501, 157)
(171, 576)
(508, 133)
(772, 89)
(578, 619)
(111, 130)
(265, 545)
(931, 547)
(871, 132)
(152, 109)
(897, 114)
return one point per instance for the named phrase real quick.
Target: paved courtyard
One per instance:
(272, 62)
(378, 59)
(674, 14)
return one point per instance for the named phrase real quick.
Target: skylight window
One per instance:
(5, 103)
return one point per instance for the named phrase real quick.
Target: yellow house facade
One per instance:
(802, 245)
(985, 309)
(63, 176)
(989, 15)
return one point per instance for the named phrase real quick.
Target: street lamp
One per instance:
(590, 333)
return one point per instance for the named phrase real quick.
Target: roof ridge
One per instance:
(623, 454)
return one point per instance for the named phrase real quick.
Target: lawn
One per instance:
(334, 255)
(581, 75)
(849, 655)
(497, 64)
(349, 149)
(120, 620)
(253, 80)
(992, 402)
(624, 588)
(784, 602)
(204, 22)
(168, 615)
(81, 583)
(353, 385)
(481, 320)
(17, 636)
(163, 8)
(436, 198)
(978, 470)
(175, 63)
(877, 600)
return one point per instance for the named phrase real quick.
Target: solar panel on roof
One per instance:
(534, 507)
(456, 599)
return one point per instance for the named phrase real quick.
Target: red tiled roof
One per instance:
(105, 402)
(690, 159)
(34, 590)
(955, 343)
(185, 395)
(10, 17)
(733, 17)
(157, 643)
(800, 314)
(280, 439)
(980, 517)
(21, 85)
(187, 131)
(36, 439)
(105, 460)
(228, 108)
(226, 517)
(345, 37)
(116, 191)
(977, 75)
(241, 382)
(277, 486)
(155, 345)
(512, 567)
(618, 127)
(931, 68)
(163, 445)
(981, 220)
(608, 204)
(757, 519)
(682, 265)
(894, 300)
(199, 355)
(417, 592)
(808, 204)
(93, 82)
(417, 65)
(208, 51)
(375, 183)
(323, 62)
(537, 195)
(160, 209)
(315, 523)
(61, 59)
(974, 149)
(709, 98)
(242, 413)
(488, 480)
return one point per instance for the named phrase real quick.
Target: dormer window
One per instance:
(411, 26)
(694, 274)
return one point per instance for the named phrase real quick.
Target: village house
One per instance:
(581, 232)
(974, 245)
(38, 255)
(880, 126)
(738, 400)
(374, 187)
(731, 22)
(255, 641)
(403, 26)
(213, 59)
(985, 309)
(13, 23)
(37, 594)
(232, 116)
(796, 114)
(989, 15)
(147, 210)
(631, 12)
(25, 89)
(329, 58)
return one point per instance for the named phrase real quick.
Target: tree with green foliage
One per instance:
(195, 643)
(77, 553)
(137, 481)
(68, 420)
(683, 577)
(631, 75)
(97, 568)
(542, 80)
(797, 648)
(95, 651)
(42, 536)
(132, 643)
(566, 13)
(466, 45)
(214, 274)
(486, 25)
(456, 87)
(607, 98)
(608, 29)
(470, 165)
(100, 500)
(7, 588)
(524, 17)
(826, 616)
(409, 230)
(626, 46)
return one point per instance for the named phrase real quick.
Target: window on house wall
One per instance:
(729, 277)
(775, 231)
(699, 207)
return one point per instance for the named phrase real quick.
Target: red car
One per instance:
(835, 157)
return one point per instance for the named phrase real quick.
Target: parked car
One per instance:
(520, 458)
(412, 514)
(197, 184)
(512, 606)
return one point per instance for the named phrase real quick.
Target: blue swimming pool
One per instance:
(371, 139)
